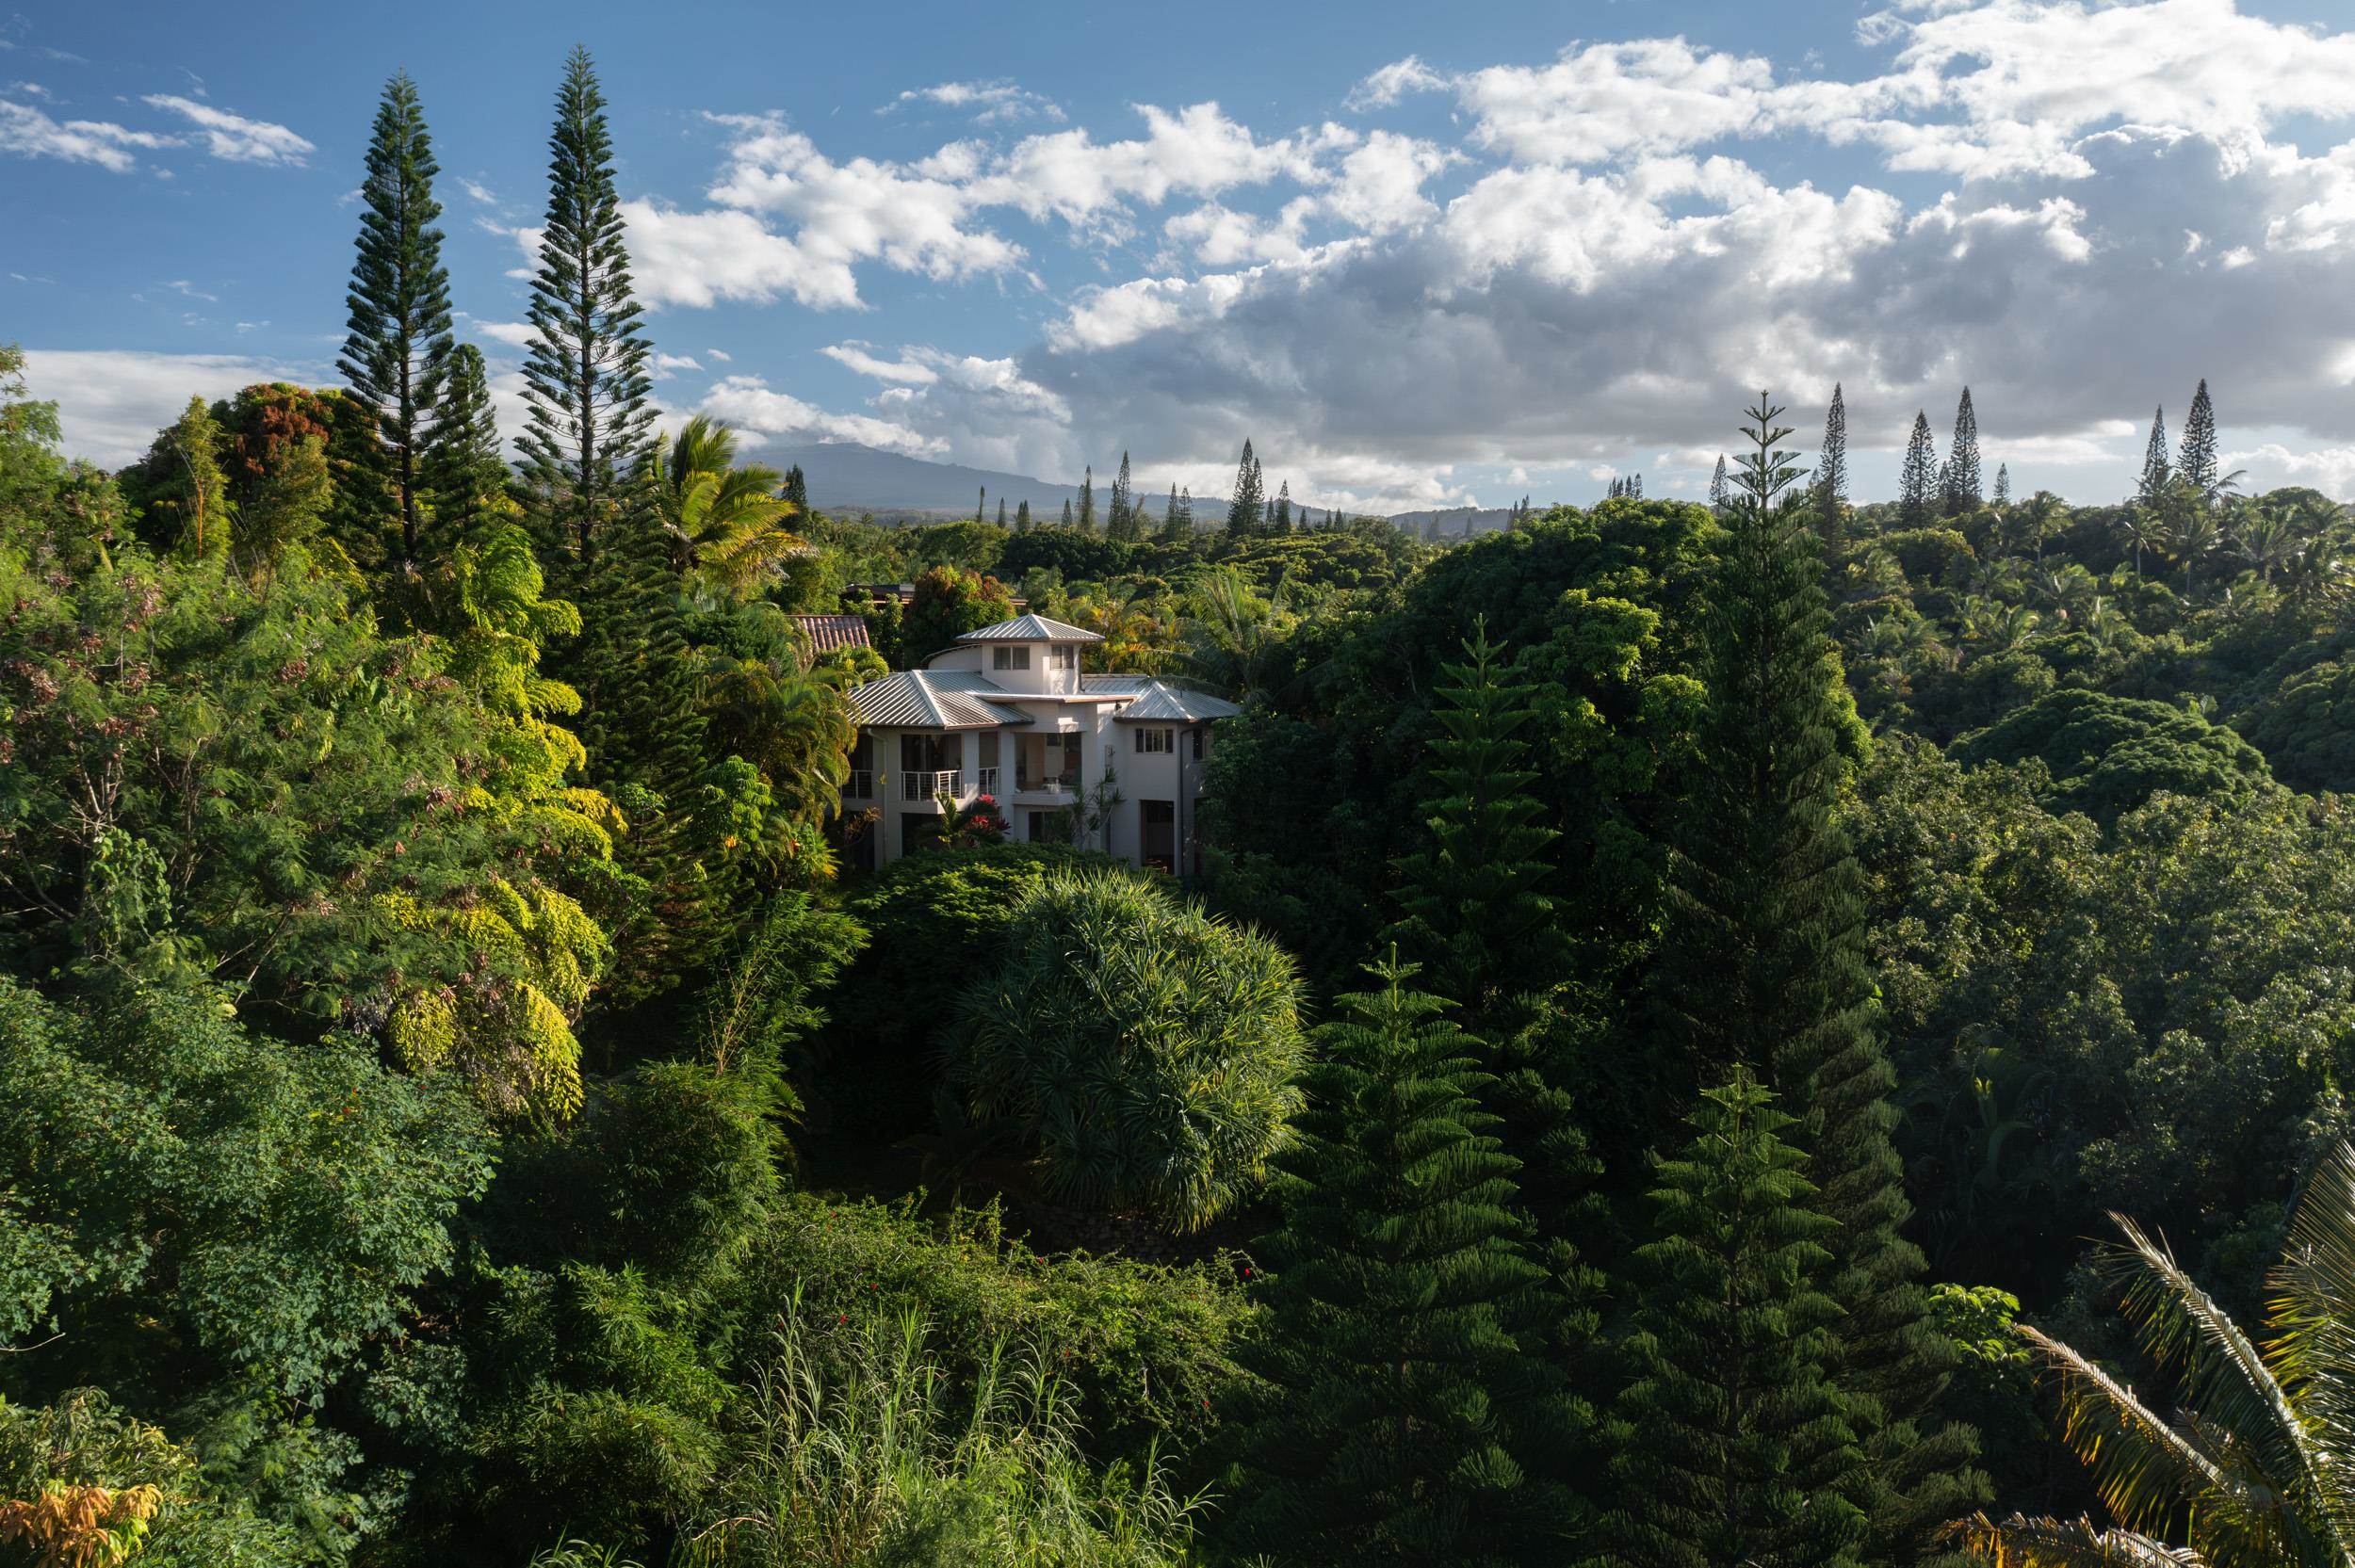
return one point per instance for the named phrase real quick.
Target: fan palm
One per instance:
(2252, 1471)
(724, 523)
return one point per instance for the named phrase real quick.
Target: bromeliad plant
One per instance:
(2251, 1470)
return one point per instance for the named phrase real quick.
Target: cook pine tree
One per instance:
(1245, 512)
(1733, 1443)
(1960, 489)
(590, 429)
(1404, 1410)
(1917, 481)
(1764, 964)
(397, 343)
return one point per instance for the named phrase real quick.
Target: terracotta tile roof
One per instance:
(827, 633)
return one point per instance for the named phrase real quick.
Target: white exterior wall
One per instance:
(1174, 776)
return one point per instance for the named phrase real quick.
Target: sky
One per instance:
(1422, 255)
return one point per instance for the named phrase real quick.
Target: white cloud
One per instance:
(746, 403)
(2328, 469)
(989, 103)
(719, 354)
(233, 136)
(515, 334)
(903, 372)
(1394, 81)
(671, 364)
(111, 402)
(30, 133)
(181, 285)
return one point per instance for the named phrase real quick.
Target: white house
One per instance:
(1111, 762)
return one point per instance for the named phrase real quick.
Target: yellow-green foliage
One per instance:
(507, 1023)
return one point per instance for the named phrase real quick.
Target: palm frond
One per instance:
(2019, 1541)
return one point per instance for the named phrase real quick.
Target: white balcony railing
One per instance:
(925, 787)
(860, 785)
(1061, 784)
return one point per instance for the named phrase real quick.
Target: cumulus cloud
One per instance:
(747, 404)
(989, 103)
(111, 402)
(233, 136)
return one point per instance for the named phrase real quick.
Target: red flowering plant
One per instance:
(973, 824)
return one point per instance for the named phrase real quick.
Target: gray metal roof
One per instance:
(1163, 704)
(932, 699)
(1031, 628)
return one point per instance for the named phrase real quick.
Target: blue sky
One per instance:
(1422, 254)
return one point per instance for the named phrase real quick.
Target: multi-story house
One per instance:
(1109, 762)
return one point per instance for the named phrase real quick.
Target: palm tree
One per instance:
(2190, 530)
(2250, 1470)
(2144, 529)
(722, 522)
(2265, 537)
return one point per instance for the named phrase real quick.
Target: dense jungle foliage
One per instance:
(1675, 989)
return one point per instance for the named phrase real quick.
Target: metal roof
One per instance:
(932, 700)
(827, 633)
(1160, 703)
(1032, 628)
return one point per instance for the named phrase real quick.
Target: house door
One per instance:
(1157, 823)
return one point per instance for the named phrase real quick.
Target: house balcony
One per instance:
(1060, 787)
(860, 785)
(928, 786)
(987, 777)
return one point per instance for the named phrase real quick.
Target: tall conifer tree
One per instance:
(1917, 482)
(1720, 492)
(1001, 512)
(1067, 511)
(1476, 913)
(1406, 1411)
(395, 355)
(1281, 521)
(797, 489)
(2157, 472)
(1124, 520)
(2196, 467)
(2003, 484)
(1960, 491)
(1244, 512)
(1766, 954)
(1022, 518)
(1832, 463)
(464, 475)
(1733, 1444)
(1087, 501)
(591, 430)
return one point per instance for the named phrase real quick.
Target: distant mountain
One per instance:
(1454, 522)
(847, 478)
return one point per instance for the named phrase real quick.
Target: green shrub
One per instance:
(934, 922)
(156, 1500)
(1146, 1053)
(862, 1447)
(1147, 1349)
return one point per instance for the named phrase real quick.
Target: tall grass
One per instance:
(861, 1451)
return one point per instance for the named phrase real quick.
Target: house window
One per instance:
(1010, 658)
(1196, 733)
(1156, 740)
(1063, 658)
